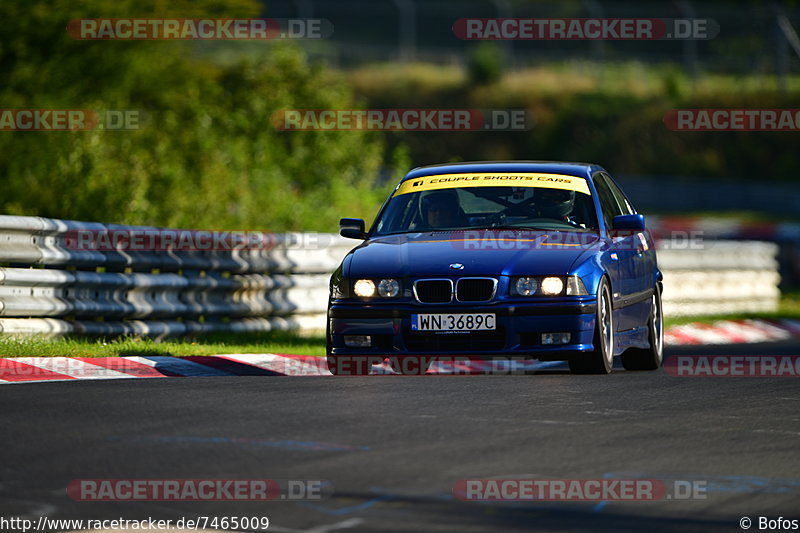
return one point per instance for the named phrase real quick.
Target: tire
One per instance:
(652, 357)
(601, 360)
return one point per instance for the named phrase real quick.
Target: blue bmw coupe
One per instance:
(518, 259)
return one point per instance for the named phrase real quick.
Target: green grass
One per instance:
(574, 77)
(273, 342)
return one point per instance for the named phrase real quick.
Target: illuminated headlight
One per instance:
(365, 288)
(385, 288)
(388, 288)
(526, 286)
(552, 286)
(548, 286)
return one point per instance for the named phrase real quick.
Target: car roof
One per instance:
(583, 170)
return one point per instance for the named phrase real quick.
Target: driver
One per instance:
(442, 210)
(554, 203)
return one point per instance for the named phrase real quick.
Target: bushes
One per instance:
(207, 154)
(485, 63)
(611, 115)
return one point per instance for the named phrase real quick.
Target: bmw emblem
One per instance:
(456, 266)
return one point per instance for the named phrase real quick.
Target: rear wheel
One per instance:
(601, 359)
(649, 358)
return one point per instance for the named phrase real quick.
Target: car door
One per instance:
(644, 260)
(623, 252)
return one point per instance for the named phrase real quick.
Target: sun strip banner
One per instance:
(494, 179)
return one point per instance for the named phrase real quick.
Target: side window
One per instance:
(607, 202)
(397, 215)
(625, 205)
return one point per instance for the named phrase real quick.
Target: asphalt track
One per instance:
(393, 446)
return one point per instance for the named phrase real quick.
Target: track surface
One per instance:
(394, 446)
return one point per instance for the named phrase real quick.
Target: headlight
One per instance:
(552, 286)
(388, 288)
(548, 286)
(526, 286)
(365, 288)
(385, 288)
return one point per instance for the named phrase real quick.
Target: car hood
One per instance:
(482, 253)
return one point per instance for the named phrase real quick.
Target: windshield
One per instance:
(444, 206)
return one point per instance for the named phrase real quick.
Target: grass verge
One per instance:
(271, 342)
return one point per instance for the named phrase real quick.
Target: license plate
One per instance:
(453, 322)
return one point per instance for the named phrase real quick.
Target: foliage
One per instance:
(485, 63)
(610, 114)
(206, 155)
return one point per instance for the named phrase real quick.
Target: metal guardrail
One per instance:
(719, 277)
(51, 285)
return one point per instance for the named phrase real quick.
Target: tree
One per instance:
(206, 154)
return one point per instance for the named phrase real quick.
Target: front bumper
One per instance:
(518, 334)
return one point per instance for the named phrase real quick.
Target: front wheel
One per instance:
(601, 359)
(649, 358)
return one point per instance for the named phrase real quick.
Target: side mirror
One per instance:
(352, 228)
(629, 222)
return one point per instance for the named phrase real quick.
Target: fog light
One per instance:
(358, 341)
(556, 338)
